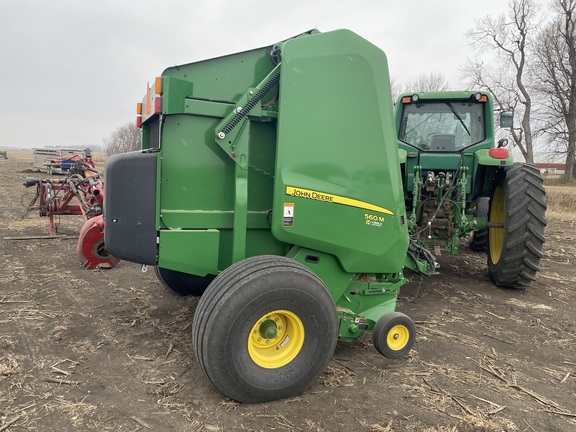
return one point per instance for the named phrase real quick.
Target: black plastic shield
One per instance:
(130, 207)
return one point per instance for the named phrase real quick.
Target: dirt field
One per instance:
(111, 349)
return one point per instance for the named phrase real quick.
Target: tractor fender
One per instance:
(402, 155)
(484, 157)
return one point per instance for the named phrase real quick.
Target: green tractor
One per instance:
(458, 180)
(269, 183)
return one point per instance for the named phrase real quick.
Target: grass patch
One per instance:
(557, 180)
(560, 198)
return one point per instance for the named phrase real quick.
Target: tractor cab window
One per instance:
(442, 126)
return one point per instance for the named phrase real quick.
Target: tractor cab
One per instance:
(443, 125)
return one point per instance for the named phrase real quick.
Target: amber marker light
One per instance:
(479, 97)
(158, 86)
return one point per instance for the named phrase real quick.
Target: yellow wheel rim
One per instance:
(276, 339)
(496, 235)
(398, 337)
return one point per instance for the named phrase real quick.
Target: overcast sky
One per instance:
(72, 71)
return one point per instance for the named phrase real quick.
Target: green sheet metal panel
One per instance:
(440, 161)
(337, 166)
(197, 177)
(190, 251)
(224, 78)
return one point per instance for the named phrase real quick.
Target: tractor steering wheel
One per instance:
(431, 134)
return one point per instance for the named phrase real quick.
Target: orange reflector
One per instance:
(139, 121)
(499, 153)
(158, 86)
(147, 98)
(406, 99)
(139, 108)
(483, 98)
(158, 105)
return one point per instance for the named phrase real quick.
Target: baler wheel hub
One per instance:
(398, 337)
(276, 339)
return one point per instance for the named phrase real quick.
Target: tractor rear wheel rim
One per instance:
(497, 214)
(398, 337)
(276, 339)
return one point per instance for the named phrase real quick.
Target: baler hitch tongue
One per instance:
(420, 259)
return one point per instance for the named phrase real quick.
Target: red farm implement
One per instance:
(79, 193)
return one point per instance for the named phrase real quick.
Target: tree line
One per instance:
(125, 138)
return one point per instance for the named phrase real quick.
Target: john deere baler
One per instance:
(269, 183)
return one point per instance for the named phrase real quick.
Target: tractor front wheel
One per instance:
(183, 283)
(394, 335)
(516, 227)
(265, 329)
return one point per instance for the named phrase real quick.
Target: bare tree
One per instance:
(395, 88)
(509, 39)
(431, 82)
(555, 72)
(124, 139)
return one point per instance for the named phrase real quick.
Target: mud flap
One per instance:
(90, 249)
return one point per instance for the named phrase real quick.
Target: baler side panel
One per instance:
(198, 192)
(336, 138)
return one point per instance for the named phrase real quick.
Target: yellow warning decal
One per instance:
(336, 199)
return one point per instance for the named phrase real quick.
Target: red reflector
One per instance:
(499, 153)
(138, 121)
(158, 105)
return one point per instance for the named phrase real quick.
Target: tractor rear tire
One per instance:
(394, 335)
(479, 240)
(265, 329)
(514, 251)
(183, 283)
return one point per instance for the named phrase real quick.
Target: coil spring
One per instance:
(251, 103)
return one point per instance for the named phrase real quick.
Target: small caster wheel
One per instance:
(394, 335)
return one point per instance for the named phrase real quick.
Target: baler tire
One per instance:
(394, 335)
(479, 240)
(514, 252)
(183, 283)
(241, 305)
